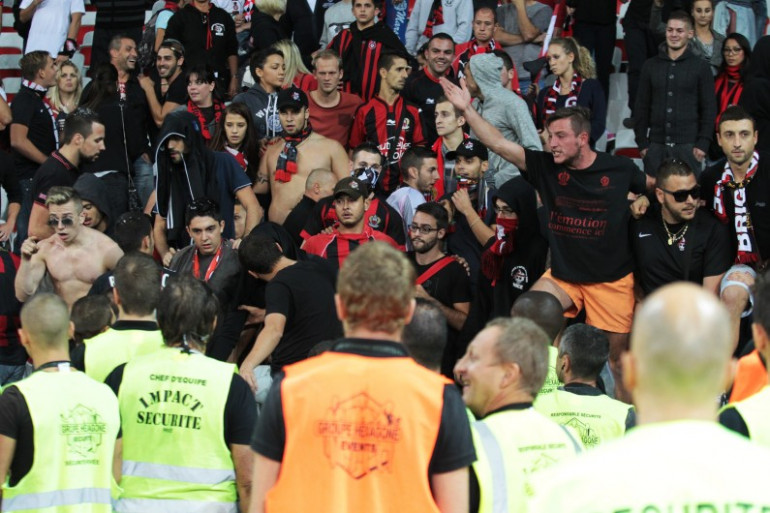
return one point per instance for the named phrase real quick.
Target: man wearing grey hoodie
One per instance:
(504, 109)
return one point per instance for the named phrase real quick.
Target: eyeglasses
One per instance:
(503, 210)
(681, 196)
(735, 49)
(416, 228)
(53, 222)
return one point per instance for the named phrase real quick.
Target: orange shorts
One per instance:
(609, 306)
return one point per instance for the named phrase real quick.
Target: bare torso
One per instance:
(314, 152)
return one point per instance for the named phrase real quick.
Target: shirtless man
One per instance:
(74, 255)
(288, 163)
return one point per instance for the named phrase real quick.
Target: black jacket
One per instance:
(755, 98)
(675, 103)
(266, 30)
(305, 25)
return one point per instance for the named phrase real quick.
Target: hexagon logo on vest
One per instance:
(83, 429)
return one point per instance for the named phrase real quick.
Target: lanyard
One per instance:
(63, 365)
(212, 266)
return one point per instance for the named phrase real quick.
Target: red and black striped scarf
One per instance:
(436, 17)
(728, 87)
(286, 167)
(193, 109)
(239, 157)
(553, 93)
(748, 251)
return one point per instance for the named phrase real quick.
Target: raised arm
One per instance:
(31, 270)
(487, 134)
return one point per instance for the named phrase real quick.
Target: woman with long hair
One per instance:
(575, 84)
(729, 82)
(64, 96)
(204, 102)
(296, 72)
(706, 42)
(236, 135)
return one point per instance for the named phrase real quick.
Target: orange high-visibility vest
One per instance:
(750, 377)
(360, 433)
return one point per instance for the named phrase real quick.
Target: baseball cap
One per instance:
(470, 148)
(351, 186)
(291, 97)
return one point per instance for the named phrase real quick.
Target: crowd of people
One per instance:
(279, 255)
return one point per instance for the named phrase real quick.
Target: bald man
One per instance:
(58, 426)
(544, 310)
(677, 458)
(319, 184)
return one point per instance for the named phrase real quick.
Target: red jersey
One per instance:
(335, 247)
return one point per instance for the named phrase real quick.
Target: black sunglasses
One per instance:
(681, 196)
(66, 221)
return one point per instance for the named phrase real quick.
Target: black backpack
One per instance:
(19, 26)
(146, 49)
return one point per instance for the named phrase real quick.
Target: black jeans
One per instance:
(600, 41)
(640, 46)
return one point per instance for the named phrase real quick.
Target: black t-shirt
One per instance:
(56, 170)
(658, 263)
(757, 202)
(29, 110)
(423, 89)
(240, 408)
(304, 294)
(454, 444)
(176, 92)
(587, 214)
(733, 420)
(450, 285)
(8, 178)
(299, 215)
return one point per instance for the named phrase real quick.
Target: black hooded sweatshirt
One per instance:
(754, 98)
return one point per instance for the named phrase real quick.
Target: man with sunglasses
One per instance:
(74, 256)
(675, 240)
(440, 278)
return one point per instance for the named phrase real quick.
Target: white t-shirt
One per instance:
(50, 24)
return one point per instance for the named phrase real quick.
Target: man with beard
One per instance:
(675, 240)
(422, 87)
(286, 166)
(389, 121)
(440, 278)
(83, 141)
(97, 211)
(351, 200)
(74, 255)
(360, 47)
(169, 91)
(419, 172)
(585, 195)
(738, 193)
(331, 110)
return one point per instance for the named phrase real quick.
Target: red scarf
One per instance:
(212, 265)
(436, 17)
(748, 251)
(286, 167)
(728, 86)
(492, 258)
(195, 111)
(239, 157)
(553, 93)
(438, 189)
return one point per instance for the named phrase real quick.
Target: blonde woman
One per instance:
(296, 71)
(265, 28)
(64, 96)
(575, 84)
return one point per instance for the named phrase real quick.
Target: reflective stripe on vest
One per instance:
(174, 506)
(177, 473)
(494, 455)
(56, 498)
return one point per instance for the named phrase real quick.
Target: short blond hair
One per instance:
(60, 195)
(376, 288)
(271, 7)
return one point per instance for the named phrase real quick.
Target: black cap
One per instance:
(291, 97)
(470, 148)
(351, 186)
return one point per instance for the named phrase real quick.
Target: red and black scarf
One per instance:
(748, 251)
(492, 258)
(438, 147)
(286, 167)
(239, 157)
(728, 87)
(436, 17)
(41, 91)
(193, 109)
(553, 93)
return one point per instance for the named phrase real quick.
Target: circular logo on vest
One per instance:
(375, 221)
(519, 277)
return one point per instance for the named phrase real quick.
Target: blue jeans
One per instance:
(11, 373)
(144, 179)
(22, 221)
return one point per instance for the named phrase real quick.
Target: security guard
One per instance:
(751, 416)
(677, 458)
(136, 293)
(580, 404)
(501, 372)
(186, 418)
(58, 426)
